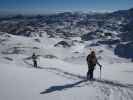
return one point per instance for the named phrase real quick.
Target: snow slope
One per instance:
(62, 75)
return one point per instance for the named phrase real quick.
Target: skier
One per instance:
(34, 58)
(92, 61)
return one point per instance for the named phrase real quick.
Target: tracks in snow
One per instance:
(110, 90)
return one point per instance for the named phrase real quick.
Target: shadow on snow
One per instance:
(62, 87)
(73, 76)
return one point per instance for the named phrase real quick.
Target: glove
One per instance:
(100, 67)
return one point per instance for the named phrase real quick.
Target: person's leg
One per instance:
(36, 64)
(88, 75)
(92, 74)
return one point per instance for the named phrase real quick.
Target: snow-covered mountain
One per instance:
(115, 26)
(62, 42)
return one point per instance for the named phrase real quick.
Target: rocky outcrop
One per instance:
(109, 41)
(63, 44)
(89, 36)
(124, 50)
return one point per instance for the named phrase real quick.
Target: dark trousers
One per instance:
(35, 63)
(90, 73)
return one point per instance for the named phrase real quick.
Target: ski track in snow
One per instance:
(109, 89)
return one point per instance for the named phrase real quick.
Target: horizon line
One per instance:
(41, 12)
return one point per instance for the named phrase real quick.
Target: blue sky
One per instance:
(47, 6)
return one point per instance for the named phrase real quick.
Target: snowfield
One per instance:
(61, 74)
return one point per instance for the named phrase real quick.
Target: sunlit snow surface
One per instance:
(62, 71)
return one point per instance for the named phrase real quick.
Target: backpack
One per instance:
(91, 60)
(34, 57)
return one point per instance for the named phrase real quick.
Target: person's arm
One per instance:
(87, 59)
(99, 65)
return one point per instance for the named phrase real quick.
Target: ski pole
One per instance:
(100, 72)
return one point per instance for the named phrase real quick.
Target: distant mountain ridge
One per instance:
(111, 28)
(19, 24)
